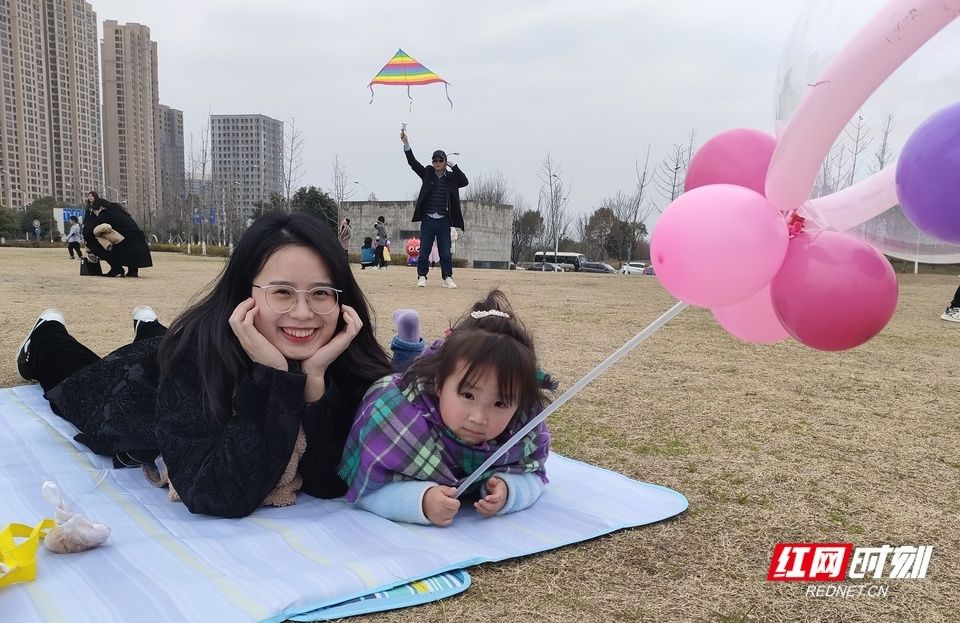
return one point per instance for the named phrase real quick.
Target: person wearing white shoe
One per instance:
(952, 313)
(278, 354)
(421, 282)
(437, 209)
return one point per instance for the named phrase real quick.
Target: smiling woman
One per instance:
(278, 352)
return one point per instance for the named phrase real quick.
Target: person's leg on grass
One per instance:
(428, 233)
(51, 354)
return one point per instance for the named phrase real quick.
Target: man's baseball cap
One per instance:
(439, 155)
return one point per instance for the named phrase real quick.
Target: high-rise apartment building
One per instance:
(246, 154)
(172, 184)
(131, 121)
(50, 131)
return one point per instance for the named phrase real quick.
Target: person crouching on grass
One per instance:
(421, 433)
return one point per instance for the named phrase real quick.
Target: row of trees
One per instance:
(616, 229)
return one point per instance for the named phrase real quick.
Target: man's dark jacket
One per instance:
(455, 181)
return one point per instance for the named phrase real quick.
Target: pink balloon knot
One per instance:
(795, 225)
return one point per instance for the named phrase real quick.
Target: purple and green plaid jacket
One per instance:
(398, 435)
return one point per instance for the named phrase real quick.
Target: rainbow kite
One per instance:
(403, 69)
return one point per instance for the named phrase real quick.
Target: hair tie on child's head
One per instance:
(489, 312)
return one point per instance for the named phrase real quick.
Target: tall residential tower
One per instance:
(50, 130)
(247, 161)
(131, 121)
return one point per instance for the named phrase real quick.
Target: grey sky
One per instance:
(592, 83)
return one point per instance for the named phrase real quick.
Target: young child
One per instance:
(368, 257)
(419, 434)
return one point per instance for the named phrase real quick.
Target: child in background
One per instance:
(419, 434)
(407, 343)
(368, 257)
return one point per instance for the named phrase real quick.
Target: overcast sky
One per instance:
(591, 83)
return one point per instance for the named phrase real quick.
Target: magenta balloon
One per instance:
(928, 176)
(739, 157)
(833, 291)
(717, 245)
(753, 320)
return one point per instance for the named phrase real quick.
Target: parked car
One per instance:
(633, 268)
(596, 267)
(649, 270)
(546, 267)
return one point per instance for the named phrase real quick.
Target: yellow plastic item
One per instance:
(20, 559)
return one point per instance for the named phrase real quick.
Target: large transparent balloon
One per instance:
(927, 82)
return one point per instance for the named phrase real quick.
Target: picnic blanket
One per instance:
(162, 563)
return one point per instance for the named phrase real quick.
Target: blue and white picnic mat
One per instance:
(163, 564)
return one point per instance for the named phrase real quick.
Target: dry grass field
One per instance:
(768, 443)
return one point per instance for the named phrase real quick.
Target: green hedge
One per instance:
(401, 260)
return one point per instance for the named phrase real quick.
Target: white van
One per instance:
(562, 257)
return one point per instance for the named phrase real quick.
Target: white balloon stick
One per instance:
(570, 393)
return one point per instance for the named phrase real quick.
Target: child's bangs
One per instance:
(511, 364)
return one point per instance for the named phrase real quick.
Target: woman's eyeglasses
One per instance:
(282, 299)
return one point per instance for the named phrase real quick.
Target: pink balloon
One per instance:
(718, 245)
(894, 33)
(739, 157)
(753, 320)
(833, 291)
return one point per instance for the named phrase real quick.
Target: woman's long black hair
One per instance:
(202, 331)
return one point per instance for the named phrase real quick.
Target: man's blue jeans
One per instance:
(435, 229)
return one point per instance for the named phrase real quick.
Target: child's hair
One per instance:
(74, 219)
(381, 219)
(367, 241)
(487, 337)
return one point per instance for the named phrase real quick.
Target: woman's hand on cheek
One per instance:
(257, 347)
(318, 363)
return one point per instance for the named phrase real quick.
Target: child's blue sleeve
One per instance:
(399, 501)
(522, 491)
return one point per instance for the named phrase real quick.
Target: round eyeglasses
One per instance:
(282, 299)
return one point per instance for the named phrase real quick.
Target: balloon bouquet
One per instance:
(791, 267)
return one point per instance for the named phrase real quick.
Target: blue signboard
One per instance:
(197, 218)
(213, 216)
(68, 212)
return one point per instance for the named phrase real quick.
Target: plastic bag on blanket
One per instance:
(73, 532)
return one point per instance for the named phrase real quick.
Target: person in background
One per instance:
(952, 313)
(74, 237)
(368, 256)
(437, 210)
(344, 233)
(133, 252)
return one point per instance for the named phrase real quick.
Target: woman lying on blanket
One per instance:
(280, 350)
(421, 433)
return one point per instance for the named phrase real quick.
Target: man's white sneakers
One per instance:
(421, 282)
(448, 283)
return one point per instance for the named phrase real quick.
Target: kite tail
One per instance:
(409, 97)
(448, 95)
(370, 86)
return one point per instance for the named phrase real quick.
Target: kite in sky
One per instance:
(403, 69)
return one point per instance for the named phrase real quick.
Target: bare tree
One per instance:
(292, 159)
(342, 188)
(884, 153)
(552, 202)
(858, 132)
(670, 173)
(633, 212)
(197, 162)
(489, 188)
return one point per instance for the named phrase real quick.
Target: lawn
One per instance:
(769, 443)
